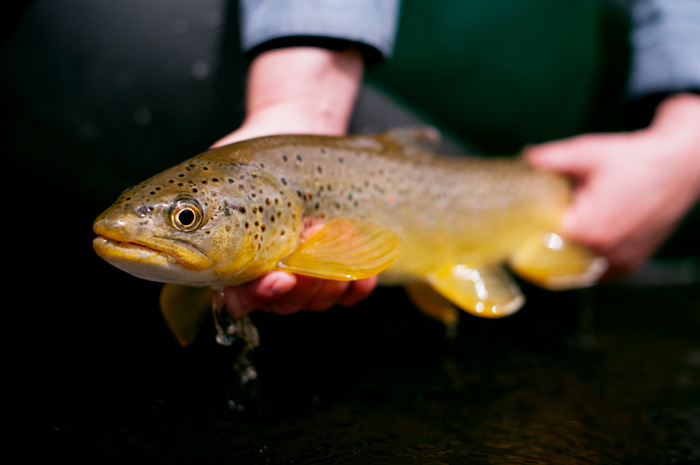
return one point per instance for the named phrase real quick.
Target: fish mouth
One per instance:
(158, 252)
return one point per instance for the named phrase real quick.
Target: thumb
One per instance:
(573, 156)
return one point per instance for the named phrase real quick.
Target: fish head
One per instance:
(199, 223)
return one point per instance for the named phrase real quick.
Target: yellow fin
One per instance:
(546, 259)
(434, 305)
(486, 291)
(344, 249)
(185, 309)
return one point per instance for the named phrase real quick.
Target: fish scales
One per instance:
(231, 214)
(475, 207)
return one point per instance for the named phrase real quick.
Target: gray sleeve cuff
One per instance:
(665, 46)
(369, 22)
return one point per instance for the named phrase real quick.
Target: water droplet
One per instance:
(200, 70)
(214, 20)
(142, 117)
(181, 27)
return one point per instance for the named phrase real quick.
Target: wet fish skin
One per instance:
(446, 221)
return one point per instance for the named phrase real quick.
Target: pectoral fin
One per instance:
(185, 309)
(548, 260)
(344, 249)
(486, 291)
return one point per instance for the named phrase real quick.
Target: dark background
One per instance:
(98, 95)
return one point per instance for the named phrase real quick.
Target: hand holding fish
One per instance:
(633, 188)
(298, 91)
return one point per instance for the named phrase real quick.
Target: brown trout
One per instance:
(386, 203)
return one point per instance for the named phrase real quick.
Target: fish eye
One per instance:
(186, 215)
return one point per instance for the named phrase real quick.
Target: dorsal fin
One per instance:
(411, 140)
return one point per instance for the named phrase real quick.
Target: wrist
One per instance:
(304, 89)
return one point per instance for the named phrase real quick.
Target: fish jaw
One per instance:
(153, 259)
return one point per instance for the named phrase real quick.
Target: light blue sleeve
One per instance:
(370, 22)
(665, 46)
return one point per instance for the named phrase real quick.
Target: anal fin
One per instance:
(548, 260)
(485, 291)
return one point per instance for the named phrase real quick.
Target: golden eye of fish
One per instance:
(186, 215)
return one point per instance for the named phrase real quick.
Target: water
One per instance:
(611, 376)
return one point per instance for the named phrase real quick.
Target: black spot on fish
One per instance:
(284, 157)
(231, 181)
(194, 191)
(318, 168)
(260, 209)
(340, 160)
(283, 181)
(246, 225)
(205, 168)
(323, 150)
(298, 158)
(214, 179)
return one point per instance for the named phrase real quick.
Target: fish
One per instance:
(451, 229)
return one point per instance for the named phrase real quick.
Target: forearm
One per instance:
(300, 90)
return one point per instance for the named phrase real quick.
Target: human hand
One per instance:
(633, 188)
(297, 90)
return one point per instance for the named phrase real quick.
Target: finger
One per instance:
(573, 156)
(327, 295)
(297, 298)
(358, 291)
(258, 294)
